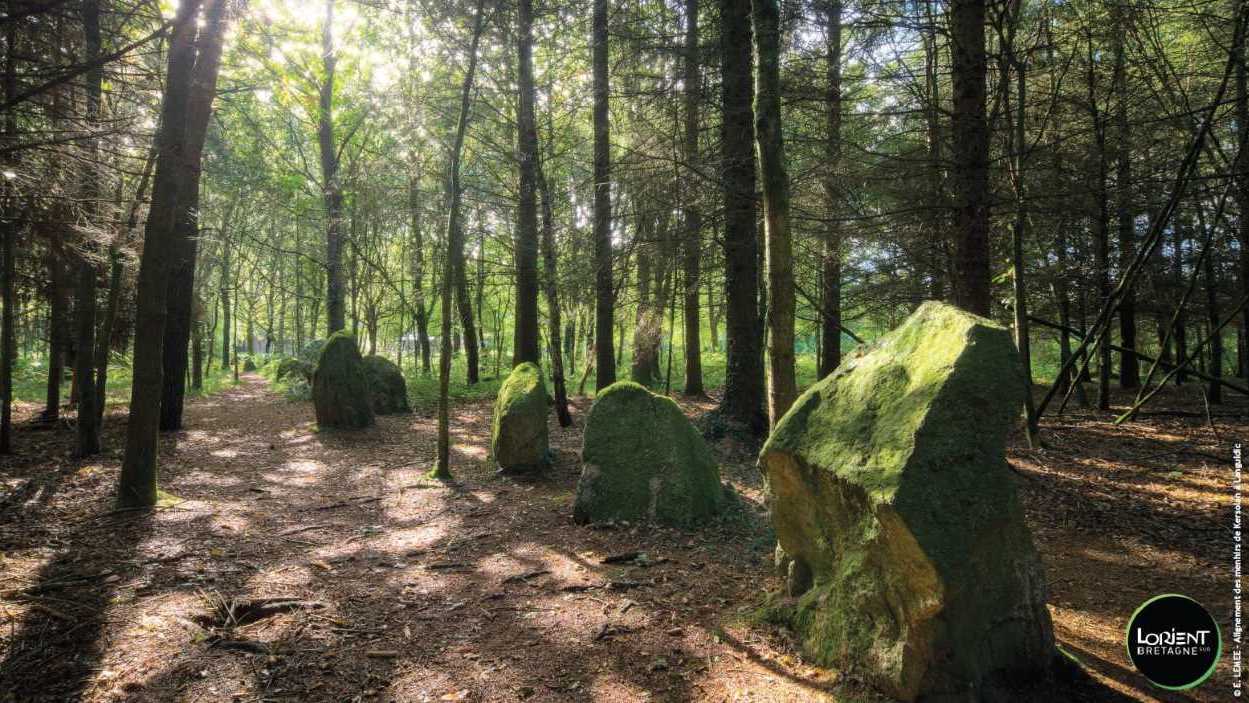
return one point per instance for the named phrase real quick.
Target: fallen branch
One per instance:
(526, 576)
(305, 528)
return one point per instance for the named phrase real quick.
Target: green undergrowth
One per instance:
(30, 381)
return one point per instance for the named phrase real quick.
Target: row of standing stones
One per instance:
(348, 390)
(901, 540)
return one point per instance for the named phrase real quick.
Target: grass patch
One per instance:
(30, 381)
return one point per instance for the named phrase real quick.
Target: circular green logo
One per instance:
(1174, 642)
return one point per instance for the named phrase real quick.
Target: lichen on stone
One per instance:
(519, 439)
(903, 542)
(644, 461)
(340, 388)
(387, 388)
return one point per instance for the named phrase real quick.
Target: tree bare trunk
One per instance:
(782, 386)
(442, 465)
(137, 484)
(604, 296)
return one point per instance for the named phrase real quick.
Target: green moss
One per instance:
(519, 440)
(340, 388)
(290, 367)
(644, 461)
(388, 391)
(311, 352)
(888, 480)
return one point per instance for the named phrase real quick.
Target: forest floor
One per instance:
(307, 566)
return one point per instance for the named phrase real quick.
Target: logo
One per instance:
(1174, 642)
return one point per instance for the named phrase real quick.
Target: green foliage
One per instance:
(30, 379)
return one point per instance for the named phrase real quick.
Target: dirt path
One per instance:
(398, 588)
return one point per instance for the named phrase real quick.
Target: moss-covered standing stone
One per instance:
(904, 543)
(291, 368)
(388, 390)
(519, 439)
(311, 351)
(340, 388)
(644, 461)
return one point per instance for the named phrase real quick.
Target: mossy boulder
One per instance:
(292, 368)
(311, 352)
(340, 386)
(519, 439)
(389, 392)
(643, 461)
(901, 536)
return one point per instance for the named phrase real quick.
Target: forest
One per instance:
(619, 350)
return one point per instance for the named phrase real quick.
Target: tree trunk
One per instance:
(8, 253)
(185, 245)
(1214, 390)
(226, 328)
(85, 304)
(1129, 366)
(1018, 144)
(418, 273)
(137, 485)
(604, 297)
(58, 334)
(465, 306)
(552, 300)
(693, 244)
(830, 264)
(1181, 320)
(526, 332)
(531, 176)
(970, 132)
(936, 219)
(442, 465)
(647, 324)
(782, 386)
(104, 340)
(1101, 229)
(331, 189)
(743, 386)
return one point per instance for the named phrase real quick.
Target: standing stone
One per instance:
(901, 536)
(643, 461)
(518, 438)
(388, 391)
(340, 389)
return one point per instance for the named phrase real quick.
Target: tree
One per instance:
(970, 131)
(84, 362)
(137, 484)
(525, 339)
(454, 238)
(604, 296)
(693, 241)
(1129, 367)
(782, 387)
(743, 385)
(331, 188)
(8, 252)
(830, 300)
(186, 234)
